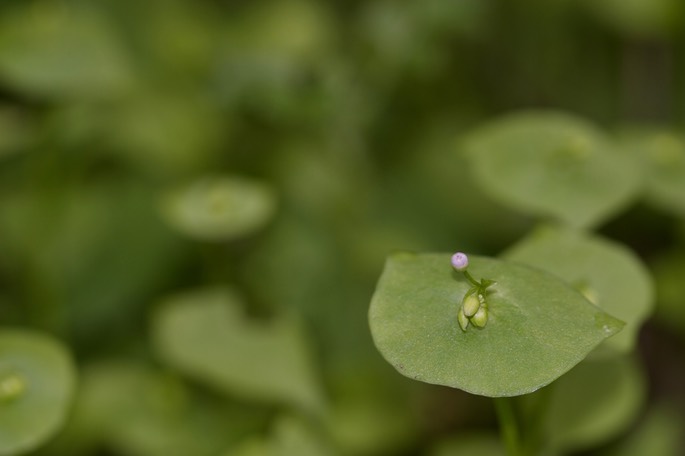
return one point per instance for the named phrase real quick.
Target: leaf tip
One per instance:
(608, 324)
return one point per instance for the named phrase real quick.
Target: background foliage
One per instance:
(197, 198)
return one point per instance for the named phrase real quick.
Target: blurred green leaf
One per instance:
(552, 164)
(660, 432)
(538, 326)
(91, 255)
(420, 194)
(641, 18)
(593, 403)
(17, 130)
(37, 381)
(608, 274)
(289, 436)
(662, 155)
(475, 443)
(220, 208)
(142, 411)
(205, 335)
(62, 49)
(411, 36)
(166, 132)
(290, 29)
(368, 426)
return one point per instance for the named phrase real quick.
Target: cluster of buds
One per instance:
(474, 308)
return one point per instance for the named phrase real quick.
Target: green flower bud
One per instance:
(463, 319)
(470, 305)
(480, 319)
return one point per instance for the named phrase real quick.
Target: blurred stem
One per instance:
(534, 442)
(504, 407)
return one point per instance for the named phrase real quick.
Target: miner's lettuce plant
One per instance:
(559, 311)
(197, 199)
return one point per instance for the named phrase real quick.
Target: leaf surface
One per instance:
(553, 165)
(607, 273)
(205, 335)
(37, 380)
(538, 326)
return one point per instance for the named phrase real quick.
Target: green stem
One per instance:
(534, 440)
(472, 280)
(508, 427)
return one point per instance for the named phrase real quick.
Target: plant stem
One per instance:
(508, 426)
(472, 280)
(534, 432)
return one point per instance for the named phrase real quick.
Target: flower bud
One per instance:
(460, 261)
(480, 319)
(462, 319)
(470, 305)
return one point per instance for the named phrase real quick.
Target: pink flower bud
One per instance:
(460, 261)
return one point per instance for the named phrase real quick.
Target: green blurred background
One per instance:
(197, 198)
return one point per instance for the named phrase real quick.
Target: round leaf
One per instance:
(289, 436)
(220, 208)
(593, 403)
(48, 48)
(205, 335)
(36, 384)
(660, 432)
(552, 165)
(662, 155)
(136, 409)
(608, 274)
(538, 326)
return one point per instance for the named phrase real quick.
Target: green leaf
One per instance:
(165, 132)
(205, 335)
(662, 155)
(593, 403)
(353, 425)
(17, 130)
(608, 274)
(52, 49)
(475, 443)
(642, 19)
(37, 380)
(285, 29)
(538, 326)
(660, 433)
(552, 164)
(220, 208)
(141, 410)
(98, 243)
(290, 436)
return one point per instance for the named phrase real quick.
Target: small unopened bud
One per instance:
(470, 305)
(460, 261)
(462, 319)
(480, 319)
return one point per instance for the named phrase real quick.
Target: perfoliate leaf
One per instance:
(608, 274)
(538, 326)
(37, 380)
(205, 335)
(554, 165)
(220, 208)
